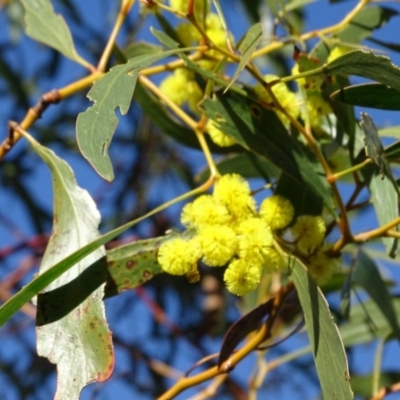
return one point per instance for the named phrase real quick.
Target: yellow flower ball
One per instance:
(309, 232)
(255, 240)
(234, 192)
(178, 256)
(218, 244)
(286, 98)
(276, 211)
(205, 210)
(241, 278)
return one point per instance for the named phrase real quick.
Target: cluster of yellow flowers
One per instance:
(286, 98)
(230, 231)
(180, 86)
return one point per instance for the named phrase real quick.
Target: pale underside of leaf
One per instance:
(45, 26)
(80, 343)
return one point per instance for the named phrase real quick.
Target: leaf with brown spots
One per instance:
(135, 263)
(80, 341)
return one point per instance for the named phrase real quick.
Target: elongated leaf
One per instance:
(366, 274)
(373, 145)
(367, 65)
(326, 344)
(260, 130)
(373, 95)
(385, 201)
(44, 25)
(96, 126)
(72, 341)
(242, 327)
(246, 48)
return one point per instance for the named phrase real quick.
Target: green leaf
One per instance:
(366, 274)
(76, 221)
(372, 95)
(246, 47)
(44, 25)
(96, 126)
(135, 263)
(385, 201)
(373, 145)
(246, 122)
(326, 344)
(367, 65)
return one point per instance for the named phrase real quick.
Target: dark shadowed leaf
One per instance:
(368, 65)
(372, 95)
(241, 328)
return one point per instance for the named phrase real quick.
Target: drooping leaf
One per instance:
(326, 344)
(44, 25)
(372, 95)
(246, 47)
(241, 328)
(366, 274)
(95, 127)
(79, 343)
(261, 131)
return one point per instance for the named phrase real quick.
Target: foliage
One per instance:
(267, 231)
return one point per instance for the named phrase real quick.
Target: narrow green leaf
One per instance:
(367, 65)
(44, 25)
(326, 344)
(366, 274)
(246, 121)
(385, 201)
(76, 221)
(96, 126)
(372, 95)
(246, 47)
